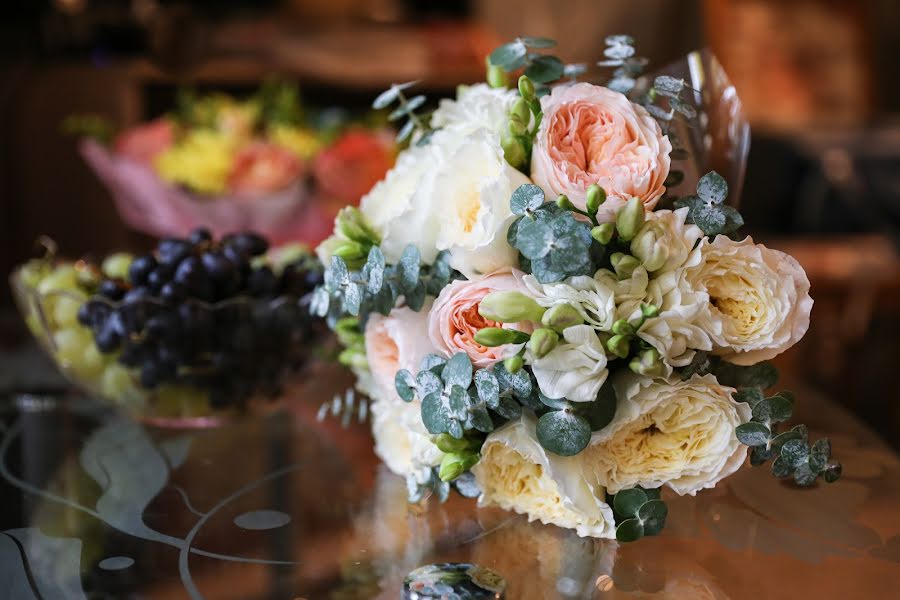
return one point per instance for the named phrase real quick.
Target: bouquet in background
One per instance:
(231, 164)
(543, 322)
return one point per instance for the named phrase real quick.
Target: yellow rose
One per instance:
(201, 161)
(669, 432)
(516, 473)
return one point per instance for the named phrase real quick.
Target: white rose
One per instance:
(759, 302)
(451, 194)
(516, 473)
(593, 299)
(476, 107)
(401, 440)
(398, 341)
(669, 432)
(575, 369)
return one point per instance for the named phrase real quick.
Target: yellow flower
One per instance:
(302, 142)
(200, 161)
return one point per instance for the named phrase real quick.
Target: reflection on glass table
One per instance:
(289, 507)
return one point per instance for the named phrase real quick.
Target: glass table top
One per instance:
(284, 506)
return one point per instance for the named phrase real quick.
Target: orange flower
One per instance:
(356, 161)
(145, 142)
(261, 168)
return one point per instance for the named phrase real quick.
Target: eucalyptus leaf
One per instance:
(619, 40)
(712, 188)
(518, 383)
(527, 197)
(683, 108)
(509, 56)
(819, 455)
(749, 395)
(780, 408)
(760, 454)
(795, 452)
(653, 516)
(544, 69)
(601, 411)
(479, 419)
(629, 530)
(373, 271)
(563, 433)
(458, 371)
(409, 268)
(405, 131)
(507, 408)
(434, 416)
(534, 239)
(428, 382)
(406, 108)
(628, 502)
(353, 296)
(803, 475)
(433, 362)
(455, 429)
(467, 486)
(667, 83)
(415, 298)
(752, 434)
(618, 52)
(781, 468)
(538, 42)
(555, 403)
(405, 384)
(488, 387)
(390, 95)
(458, 403)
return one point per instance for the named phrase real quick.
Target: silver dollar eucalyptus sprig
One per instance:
(406, 108)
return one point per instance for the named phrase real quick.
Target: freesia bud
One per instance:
(624, 265)
(455, 464)
(649, 311)
(564, 203)
(622, 327)
(447, 443)
(516, 126)
(352, 224)
(630, 218)
(510, 307)
(596, 196)
(514, 364)
(495, 76)
(349, 250)
(619, 345)
(543, 341)
(648, 363)
(561, 317)
(603, 233)
(526, 88)
(495, 336)
(520, 109)
(513, 152)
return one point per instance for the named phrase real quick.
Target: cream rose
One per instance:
(401, 440)
(454, 320)
(398, 341)
(590, 134)
(451, 194)
(669, 432)
(516, 473)
(475, 107)
(759, 302)
(575, 369)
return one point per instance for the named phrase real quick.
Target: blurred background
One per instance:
(819, 79)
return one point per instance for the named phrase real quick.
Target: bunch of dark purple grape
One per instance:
(211, 315)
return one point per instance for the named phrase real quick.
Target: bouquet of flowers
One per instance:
(541, 323)
(231, 164)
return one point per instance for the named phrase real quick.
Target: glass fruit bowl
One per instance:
(176, 363)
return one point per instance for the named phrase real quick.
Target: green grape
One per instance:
(287, 254)
(65, 311)
(71, 345)
(119, 385)
(90, 365)
(32, 272)
(63, 278)
(181, 401)
(115, 266)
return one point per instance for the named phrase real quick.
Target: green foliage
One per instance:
(563, 432)
(347, 408)
(621, 54)
(638, 512)
(377, 286)
(91, 126)
(406, 109)
(707, 209)
(279, 103)
(521, 53)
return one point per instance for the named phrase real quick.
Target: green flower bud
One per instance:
(447, 443)
(649, 311)
(513, 151)
(453, 465)
(115, 266)
(561, 317)
(564, 203)
(514, 364)
(516, 126)
(648, 363)
(349, 250)
(596, 196)
(495, 336)
(520, 109)
(603, 233)
(353, 358)
(543, 341)
(623, 327)
(510, 307)
(526, 88)
(630, 218)
(649, 246)
(624, 265)
(619, 345)
(354, 226)
(495, 76)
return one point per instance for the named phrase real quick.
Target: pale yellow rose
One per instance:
(591, 134)
(759, 302)
(669, 432)
(517, 474)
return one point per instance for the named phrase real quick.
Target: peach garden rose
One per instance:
(591, 134)
(454, 320)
